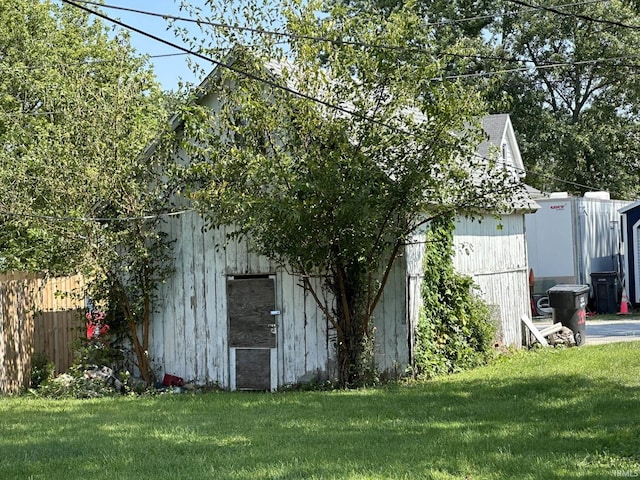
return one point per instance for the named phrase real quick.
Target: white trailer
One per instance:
(569, 238)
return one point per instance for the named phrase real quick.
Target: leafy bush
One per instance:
(41, 369)
(90, 352)
(75, 385)
(80, 382)
(454, 331)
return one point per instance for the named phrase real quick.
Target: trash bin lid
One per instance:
(567, 289)
(604, 274)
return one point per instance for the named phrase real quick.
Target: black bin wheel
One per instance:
(578, 338)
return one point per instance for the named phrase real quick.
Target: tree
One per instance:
(566, 74)
(77, 108)
(338, 154)
(576, 109)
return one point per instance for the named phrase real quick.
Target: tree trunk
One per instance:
(355, 358)
(140, 348)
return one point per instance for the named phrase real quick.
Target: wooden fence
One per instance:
(60, 320)
(37, 316)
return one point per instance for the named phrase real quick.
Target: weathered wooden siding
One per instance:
(390, 321)
(190, 330)
(189, 335)
(493, 253)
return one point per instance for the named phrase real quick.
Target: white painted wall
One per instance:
(550, 239)
(189, 334)
(493, 253)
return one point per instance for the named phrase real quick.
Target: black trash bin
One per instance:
(569, 307)
(605, 291)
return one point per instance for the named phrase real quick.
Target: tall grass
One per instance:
(572, 413)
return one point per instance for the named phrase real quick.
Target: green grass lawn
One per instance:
(570, 413)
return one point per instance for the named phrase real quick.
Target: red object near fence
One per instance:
(96, 330)
(172, 381)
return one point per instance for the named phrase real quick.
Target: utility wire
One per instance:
(69, 219)
(259, 31)
(587, 18)
(303, 95)
(235, 70)
(338, 42)
(538, 66)
(97, 61)
(232, 68)
(544, 66)
(511, 13)
(60, 219)
(255, 77)
(537, 174)
(167, 16)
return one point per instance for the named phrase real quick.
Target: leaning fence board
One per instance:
(555, 328)
(534, 330)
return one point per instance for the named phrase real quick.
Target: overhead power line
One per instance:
(539, 174)
(71, 219)
(543, 66)
(510, 13)
(587, 18)
(168, 16)
(259, 31)
(339, 41)
(539, 66)
(234, 69)
(258, 78)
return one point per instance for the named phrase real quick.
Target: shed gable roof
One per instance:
(499, 132)
(497, 127)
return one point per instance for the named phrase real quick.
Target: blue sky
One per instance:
(169, 70)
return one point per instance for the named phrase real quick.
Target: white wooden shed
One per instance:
(492, 250)
(234, 319)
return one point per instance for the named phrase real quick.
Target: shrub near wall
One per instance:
(455, 331)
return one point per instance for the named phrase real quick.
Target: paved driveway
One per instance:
(607, 331)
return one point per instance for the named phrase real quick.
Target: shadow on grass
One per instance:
(563, 426)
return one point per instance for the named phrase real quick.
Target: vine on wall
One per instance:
(454, 331)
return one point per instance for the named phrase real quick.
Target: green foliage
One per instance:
(74, 386)
(41, 370)
(454, 330)
(562, 72)
(96, 352)
(88, 354)
(578, 121)
(332, 187)
(78, 107)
